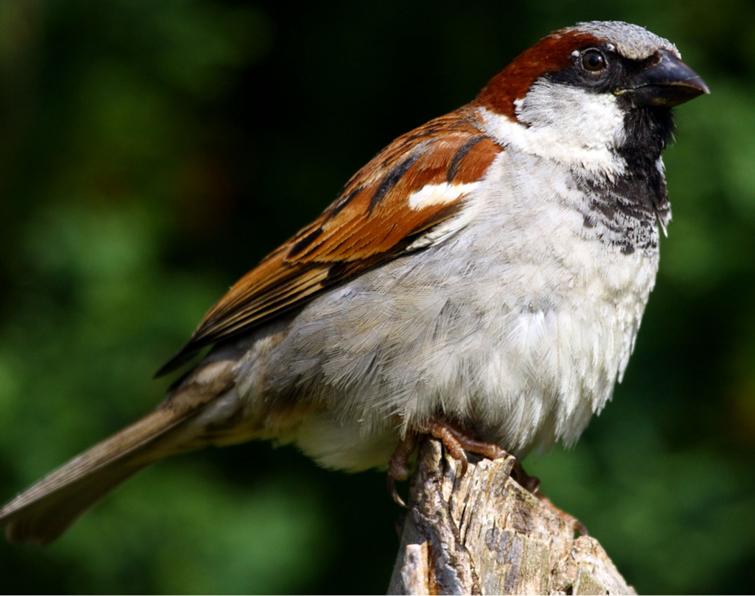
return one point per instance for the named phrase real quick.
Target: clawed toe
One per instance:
(456, 443)
(398, 466)
(393, 491)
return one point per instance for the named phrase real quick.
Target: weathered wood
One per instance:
(485, 534)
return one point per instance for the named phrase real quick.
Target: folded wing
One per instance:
(417, 182)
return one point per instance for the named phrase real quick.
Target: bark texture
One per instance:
(482, 533)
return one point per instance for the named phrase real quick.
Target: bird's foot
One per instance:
(456, 443)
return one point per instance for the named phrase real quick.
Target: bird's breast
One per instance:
(550, 310)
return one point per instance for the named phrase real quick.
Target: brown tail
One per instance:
(45, 510)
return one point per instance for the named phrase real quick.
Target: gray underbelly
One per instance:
(514, 350)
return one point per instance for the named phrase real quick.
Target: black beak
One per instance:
(666, 82)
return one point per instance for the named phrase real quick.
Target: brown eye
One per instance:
(593, 60)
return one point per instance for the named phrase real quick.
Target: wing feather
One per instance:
(370, 223)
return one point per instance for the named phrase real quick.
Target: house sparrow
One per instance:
(481, 280)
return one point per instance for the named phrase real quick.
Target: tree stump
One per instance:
(482, 533)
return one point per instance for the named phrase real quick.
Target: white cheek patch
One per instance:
(566, 124)
(438, 194)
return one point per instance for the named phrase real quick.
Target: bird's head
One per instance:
(587, 94)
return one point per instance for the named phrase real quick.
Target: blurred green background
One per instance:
(151, 152)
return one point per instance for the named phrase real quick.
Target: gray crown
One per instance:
(631, 41)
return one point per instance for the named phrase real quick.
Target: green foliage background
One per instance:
(151, 152)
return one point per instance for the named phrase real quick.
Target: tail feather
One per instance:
(46, 509)
(45, 519)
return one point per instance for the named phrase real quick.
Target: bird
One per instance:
(481, 280)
